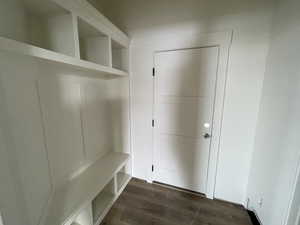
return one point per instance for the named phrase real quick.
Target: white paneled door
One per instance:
(185, 84)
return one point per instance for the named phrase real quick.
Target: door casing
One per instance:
(193, 137)
(223, 41)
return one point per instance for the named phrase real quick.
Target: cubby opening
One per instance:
(94, 45)
(41, 23)
(122, 179)
(119, 56)
(84, 217)
(103, 200)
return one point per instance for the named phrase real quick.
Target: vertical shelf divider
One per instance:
(76, 35)
(110, 52)
(115, 184)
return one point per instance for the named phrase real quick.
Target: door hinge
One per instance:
(152, 168)
(153, 72)
(152, 123)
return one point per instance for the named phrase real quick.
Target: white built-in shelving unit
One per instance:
(62, 38)
(99, 186)
(65, 32)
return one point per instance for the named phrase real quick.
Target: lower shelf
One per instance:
(101, 205)
(105, 200)
(70, 199)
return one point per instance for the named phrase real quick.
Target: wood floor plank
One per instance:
(163, 198)
(142, 203)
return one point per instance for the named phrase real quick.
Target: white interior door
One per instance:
(185, 84)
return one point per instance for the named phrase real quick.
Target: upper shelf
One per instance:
(40, 53)
(73, 196)
(69, 32)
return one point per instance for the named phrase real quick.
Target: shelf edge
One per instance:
(21, 48)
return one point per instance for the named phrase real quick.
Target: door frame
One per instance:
(223, 41)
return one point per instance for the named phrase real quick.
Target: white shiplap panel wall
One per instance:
(60, 102)
(24, 136)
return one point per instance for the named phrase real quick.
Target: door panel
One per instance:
(187, 73)
(183, 116)
(179, 157)
(184, 102)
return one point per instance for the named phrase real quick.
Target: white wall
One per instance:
(9, 206)
(23, 137)
(277, 142)
(162, 21)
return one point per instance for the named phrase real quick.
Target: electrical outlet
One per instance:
(260, 202)
(247, 203)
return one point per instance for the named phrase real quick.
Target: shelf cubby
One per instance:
(104, 200)
(84, 217)
(94, 45)
(70, 198)
(122, 179)
(43, 24)
(119, 56)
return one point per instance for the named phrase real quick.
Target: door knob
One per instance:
(206, 135)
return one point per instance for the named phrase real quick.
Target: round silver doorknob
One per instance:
(206, 135)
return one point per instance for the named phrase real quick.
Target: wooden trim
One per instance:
(179, 189)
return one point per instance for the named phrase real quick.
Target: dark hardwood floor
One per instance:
(150, 204)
